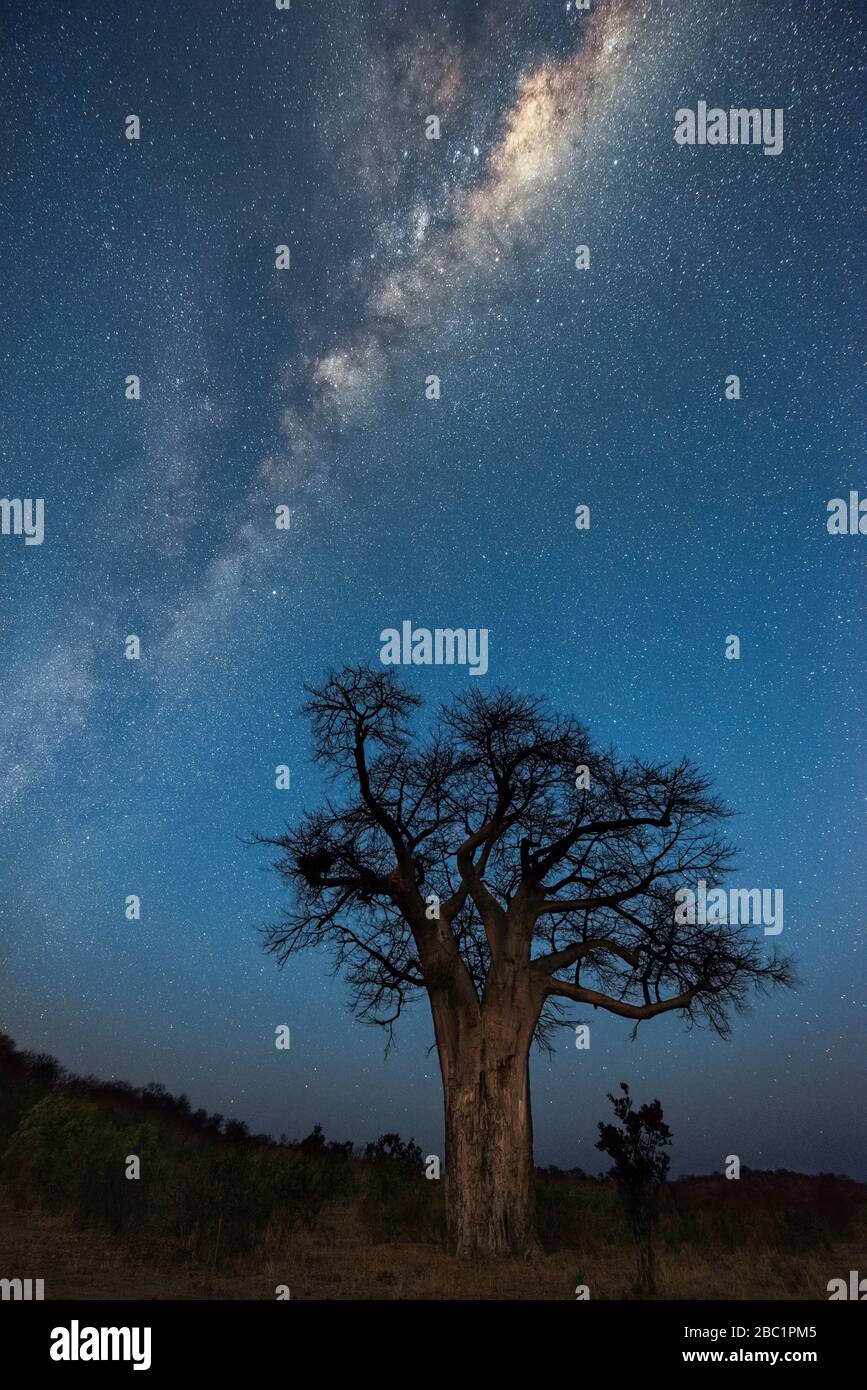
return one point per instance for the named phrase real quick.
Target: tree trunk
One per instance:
(645, 1284)
(489, 1138)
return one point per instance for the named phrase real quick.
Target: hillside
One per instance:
(219, 1213)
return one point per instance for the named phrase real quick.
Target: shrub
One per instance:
(68, 1156)
(398, 1198)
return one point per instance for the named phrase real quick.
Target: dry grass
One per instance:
(339, 1261)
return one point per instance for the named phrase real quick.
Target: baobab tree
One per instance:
(502, 865)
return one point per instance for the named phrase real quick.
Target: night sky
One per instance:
(305, 387)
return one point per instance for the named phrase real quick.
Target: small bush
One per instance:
(68, 1156)
(398, 1198)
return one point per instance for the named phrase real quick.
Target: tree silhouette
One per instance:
(640, 1169)
(479, 863)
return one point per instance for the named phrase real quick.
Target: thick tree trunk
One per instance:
(489, 1138)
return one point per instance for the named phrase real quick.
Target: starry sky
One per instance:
(305, 387)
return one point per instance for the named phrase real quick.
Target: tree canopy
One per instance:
(501, 832)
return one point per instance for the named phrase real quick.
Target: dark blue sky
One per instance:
(306, 387)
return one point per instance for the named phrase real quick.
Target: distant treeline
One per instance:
(207, 1189)
(203, 1183)
(39, 1071)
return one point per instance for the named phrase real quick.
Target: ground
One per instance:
(339, 1261)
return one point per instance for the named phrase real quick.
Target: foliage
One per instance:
(398, 1199)
(74, 1156)
(640, 1168)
